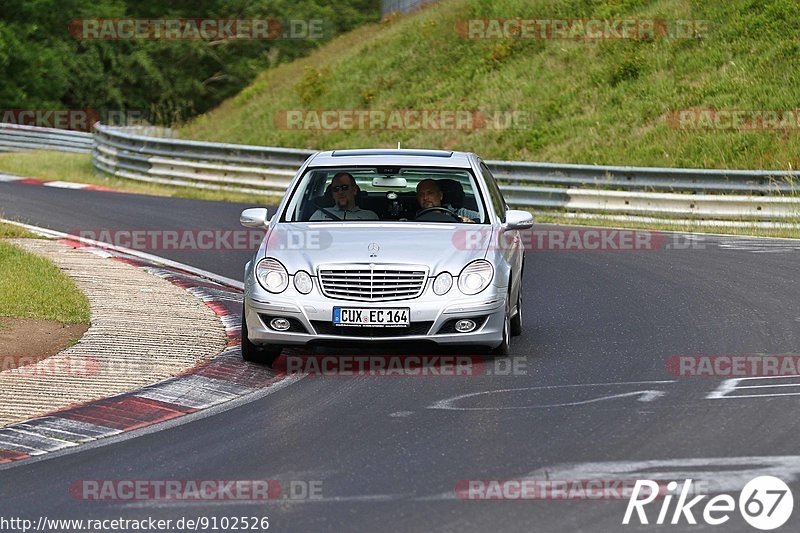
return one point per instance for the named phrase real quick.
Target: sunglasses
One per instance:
(337, 188)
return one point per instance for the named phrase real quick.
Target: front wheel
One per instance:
(254, 353)
(516, 322)
(505, 345)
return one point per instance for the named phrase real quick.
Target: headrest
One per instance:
(452, 192)
(326, 200)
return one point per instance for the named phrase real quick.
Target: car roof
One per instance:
(384, 157)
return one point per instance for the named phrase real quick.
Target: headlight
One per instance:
(475, 277)
(442, 283)
(272, 275)
(302, 282)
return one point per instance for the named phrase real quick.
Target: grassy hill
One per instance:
(594, 102)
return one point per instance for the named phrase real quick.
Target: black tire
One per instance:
(505, 345)
(516, 322)
(254, 353)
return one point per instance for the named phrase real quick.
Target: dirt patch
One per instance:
(25, 341)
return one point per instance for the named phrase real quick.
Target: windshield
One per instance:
(387, 194)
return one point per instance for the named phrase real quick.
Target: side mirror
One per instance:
(517, 219)
(254, 218)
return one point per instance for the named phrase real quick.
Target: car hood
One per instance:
(439, 246)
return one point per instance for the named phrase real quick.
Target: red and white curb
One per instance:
(219, 380)
(56, 184)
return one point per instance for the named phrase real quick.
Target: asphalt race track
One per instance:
(592, 398)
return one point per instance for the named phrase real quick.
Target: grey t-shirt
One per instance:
(353, 214)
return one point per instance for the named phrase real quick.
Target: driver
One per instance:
(429, 194)
(344, 191)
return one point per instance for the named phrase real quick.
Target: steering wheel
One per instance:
(437, 209)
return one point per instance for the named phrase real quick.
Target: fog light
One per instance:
(465, 326)
(279, 324)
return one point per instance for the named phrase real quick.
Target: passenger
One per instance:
(344, 191)
(429, 194)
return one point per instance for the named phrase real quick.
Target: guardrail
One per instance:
(403, 6)
(670, 192)
(19, 138)
(151, 154)
(126, 153)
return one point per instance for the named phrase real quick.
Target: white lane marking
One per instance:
(21, 448)
(9, 177)
(36, 439)
(99, 252)
(52, 428)
(759, 246)
(172, 504)
(717, 474)
(231, 322)
(762, 395)
(82, 429)
(770, 386)
(197, 392)
(135, 253)
(646, 396)
(726, 473)
(724, 390)
(66, 185)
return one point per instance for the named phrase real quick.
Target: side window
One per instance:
(301, 206)
(498, 202)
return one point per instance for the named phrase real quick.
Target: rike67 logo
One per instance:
(765, 503)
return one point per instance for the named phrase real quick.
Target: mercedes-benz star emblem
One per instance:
(373, 248)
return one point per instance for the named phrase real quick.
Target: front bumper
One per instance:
(311, 317)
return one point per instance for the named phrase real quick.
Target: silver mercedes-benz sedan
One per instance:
(385, 246)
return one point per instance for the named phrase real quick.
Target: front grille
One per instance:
(327, 328)
(372, 283)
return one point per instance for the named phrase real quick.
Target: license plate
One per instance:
(362, 316)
